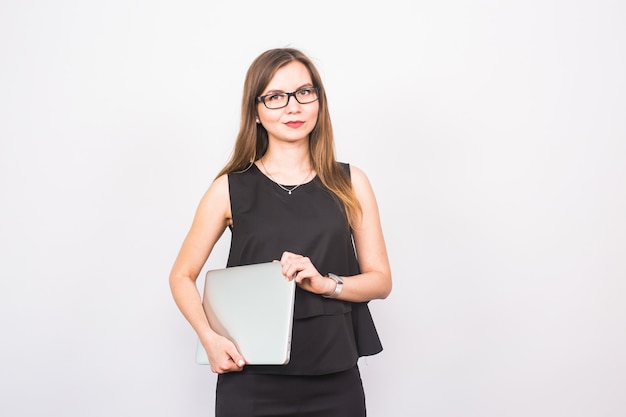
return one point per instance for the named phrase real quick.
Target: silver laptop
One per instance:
(252, 305)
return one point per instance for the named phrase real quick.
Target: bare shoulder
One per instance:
(216, 199)
(360, 181)
(218, 188)
(221, 183)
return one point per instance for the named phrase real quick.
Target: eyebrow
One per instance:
(308, 85)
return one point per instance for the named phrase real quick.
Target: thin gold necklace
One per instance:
(289, 190)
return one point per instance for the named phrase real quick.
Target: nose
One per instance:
(295, 102)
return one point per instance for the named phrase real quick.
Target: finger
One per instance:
(286, 256)
(236, 358)
(290, 268)
(230, 365)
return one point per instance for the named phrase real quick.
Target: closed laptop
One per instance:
(252, 305)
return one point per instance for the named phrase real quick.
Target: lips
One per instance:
(294, 125)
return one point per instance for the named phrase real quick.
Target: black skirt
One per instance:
(254, 395)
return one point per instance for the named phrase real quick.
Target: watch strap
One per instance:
(338, 287)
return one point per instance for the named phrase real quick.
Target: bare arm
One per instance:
(211, 219)
(375, 278)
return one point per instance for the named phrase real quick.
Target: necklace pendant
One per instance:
(289, 192)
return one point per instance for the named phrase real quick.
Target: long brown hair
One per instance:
(252, 139)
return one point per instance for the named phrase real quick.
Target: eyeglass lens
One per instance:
(278, 100)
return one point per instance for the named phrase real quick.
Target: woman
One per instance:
(285, 197)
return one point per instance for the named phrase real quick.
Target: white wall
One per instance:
(492, 131)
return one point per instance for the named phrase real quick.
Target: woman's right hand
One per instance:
(223, 355)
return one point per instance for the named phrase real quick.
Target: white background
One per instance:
(493, 133)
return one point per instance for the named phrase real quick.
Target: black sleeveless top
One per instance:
(329, 335)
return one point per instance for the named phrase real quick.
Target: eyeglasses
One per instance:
(279, 100)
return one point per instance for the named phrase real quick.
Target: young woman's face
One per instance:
(295, 121)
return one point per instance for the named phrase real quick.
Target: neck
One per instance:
(288, 159)
(292, 157)
(286, 169)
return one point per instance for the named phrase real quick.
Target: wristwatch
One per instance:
(338, 287)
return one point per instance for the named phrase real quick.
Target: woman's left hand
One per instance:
(301, 269)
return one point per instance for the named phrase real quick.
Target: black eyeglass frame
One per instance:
(261, 99)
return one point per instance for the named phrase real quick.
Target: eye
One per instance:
(275, 97)
(304, 92)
